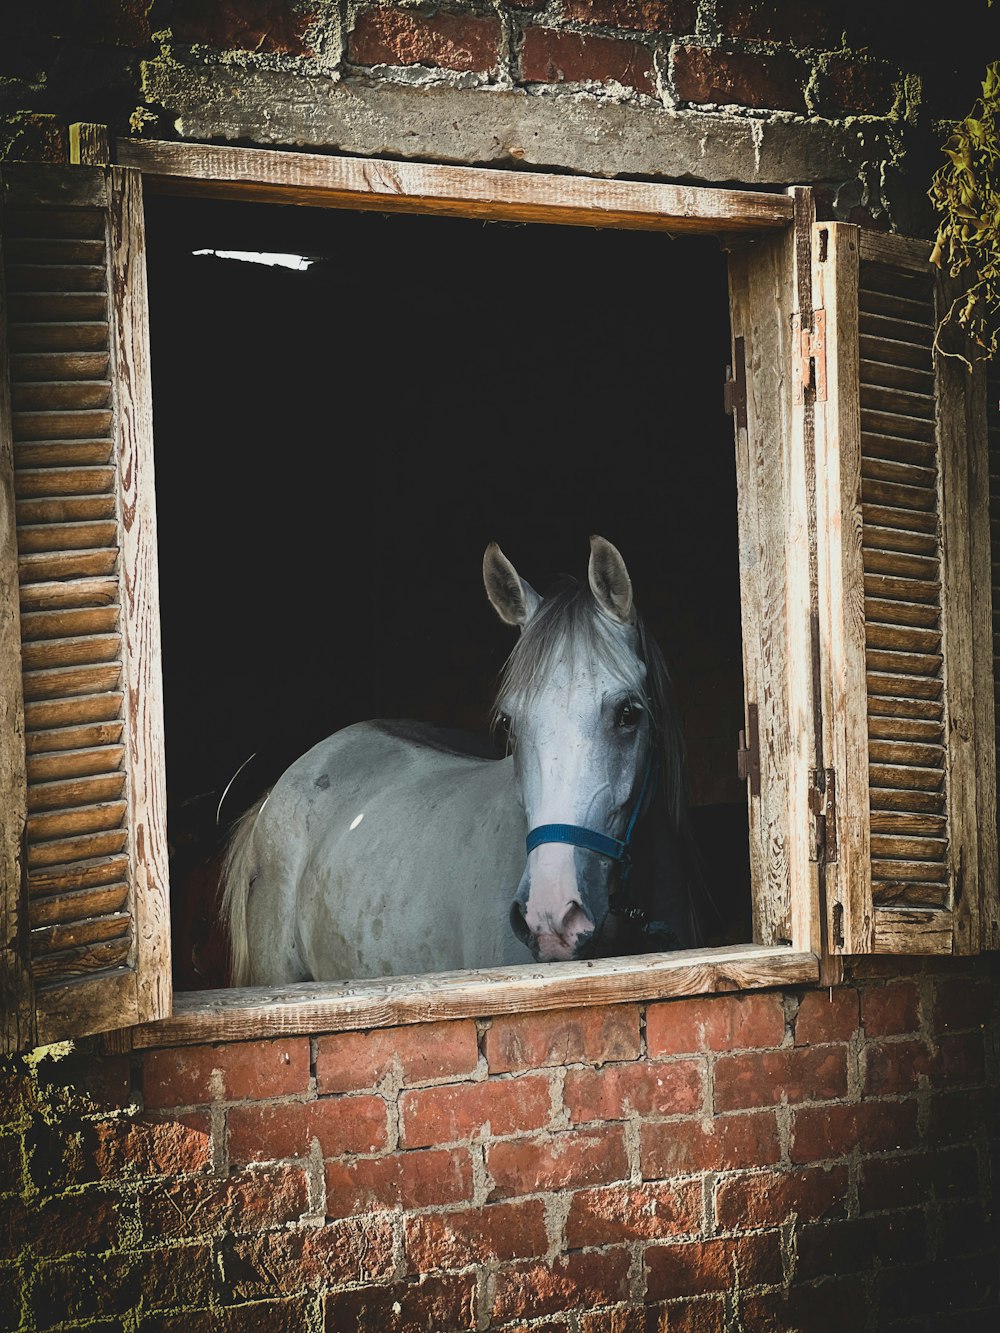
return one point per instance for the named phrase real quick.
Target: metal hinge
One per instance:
(823, 807)
(734, 393)
(809, 350)
(748, 754)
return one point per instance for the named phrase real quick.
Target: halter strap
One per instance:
(616, 849)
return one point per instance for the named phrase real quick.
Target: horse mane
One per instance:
(569, 620)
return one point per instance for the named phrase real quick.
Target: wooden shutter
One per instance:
(87, 904)
(769, 292)
(907, 695)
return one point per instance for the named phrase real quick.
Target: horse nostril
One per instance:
(575, 922)
(518, 924)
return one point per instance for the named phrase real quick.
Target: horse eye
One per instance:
(628, 714)
(507, 725)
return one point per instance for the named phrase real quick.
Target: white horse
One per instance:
(389, 848)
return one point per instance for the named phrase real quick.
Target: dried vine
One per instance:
(966, 190)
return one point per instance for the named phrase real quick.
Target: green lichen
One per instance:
(966, 192)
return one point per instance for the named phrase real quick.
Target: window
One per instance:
(80, 663)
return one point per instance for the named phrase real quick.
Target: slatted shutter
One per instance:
(94, 922)
(902, 527)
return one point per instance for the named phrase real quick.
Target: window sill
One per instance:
(265, 1011)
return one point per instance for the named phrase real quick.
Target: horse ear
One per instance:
(514, 600)
(609, 580)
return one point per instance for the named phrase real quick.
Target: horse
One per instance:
(394, 848)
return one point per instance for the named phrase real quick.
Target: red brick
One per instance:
(647, 1089)
(270, 26)
(716, 1023)
(828, 1307)
(801, 22)
(769, 1198)
(387, 36)
(416, 1179)
(62, 1225)
(848, 1246)
(856, 87)
(558, 1161)
(894, 1067)
(771, 1078)
(552, 55)
(704, 1314)
(819, 1132)
(151, 1146)
(962, 1003)
(633, 1212)
(723, 1143)
(252, 1070)
(826, 1015)
(282, 1263)
(455, 1113)
(706, 74)
(903, 1182)
(200, 1206)
(435, 1302)
(258, 1317)
(677, 16)
(954, 1285)
(564, 1037)
(354, 1061)
(575, 1281)
(691, 1268)
(81, 1288)
(956, 1116)
(891, 1010)
(960, 1058)
(178, 1275)
(457, 1239)
(276, 1130)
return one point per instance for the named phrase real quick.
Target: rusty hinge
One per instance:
(734, 392)
(809, 350)
(748, 755)
(823, 806)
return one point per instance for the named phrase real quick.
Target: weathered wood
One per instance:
(87, 1004)
(87, 874)
(43, 566)
(58, 482)
(72, 395)
(44, 307)
(89, 842)
(888, 516)
(62, 337)
(62, 425)
(67, 712)
(983, 417)
(76, 651)
(62, 682)
(72, 792)
(63, 510)
(82, 960)
(911, 931)
(280, 1011)
(901, 252)
(61, 453)
(36, 189)
(57, 764)
(90, 930)
(79, 737)
(17, 1015)
(518, 196)
(89, 144)
(901, 538)
(69, 622)
(72, 249)
(98, 900)
(55, 277)
(142, 676)
(843, 589)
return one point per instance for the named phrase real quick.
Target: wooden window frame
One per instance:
(741, 219)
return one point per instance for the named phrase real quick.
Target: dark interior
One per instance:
(335, 447)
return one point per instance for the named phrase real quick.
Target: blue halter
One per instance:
(616, 849)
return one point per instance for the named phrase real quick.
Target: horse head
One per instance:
(580, 697)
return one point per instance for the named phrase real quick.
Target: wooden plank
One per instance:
(69, 594)
(325, 180)
(17, 1016)
(40, 188)
(913, 255)
(761, 282)
(911, 931)
(87, 1005)
(231, 1015)
(81, 960)
(91, 930)
(842, 587)
(84, 874)
(78, 651)
(89, 144)
(67, 712)
(141, 669)
(52, 765)
(92, 843)
(58, 337)
(61, 453)
(60, 909)
(69, 622)
(73, 738)
(64, 509)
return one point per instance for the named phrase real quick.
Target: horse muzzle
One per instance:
(553, 912)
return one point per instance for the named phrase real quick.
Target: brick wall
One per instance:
(770, 1161)
(776, 92)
